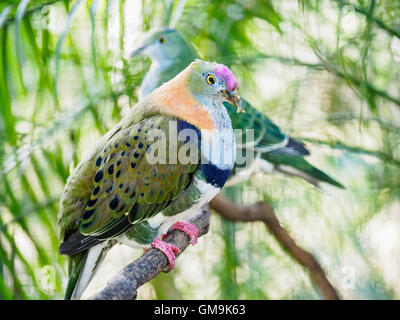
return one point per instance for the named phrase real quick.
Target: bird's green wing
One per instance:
(267, 137)
(126, 187)
(79, 187)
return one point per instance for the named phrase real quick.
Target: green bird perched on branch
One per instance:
(157, 162)
(272, 150)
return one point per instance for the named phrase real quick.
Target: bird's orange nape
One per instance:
(176, 100)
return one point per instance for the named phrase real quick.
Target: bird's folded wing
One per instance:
(128, 188)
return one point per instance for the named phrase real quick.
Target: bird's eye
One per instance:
(162, 40)
(210, 79)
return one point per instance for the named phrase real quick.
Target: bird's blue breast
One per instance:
(212, 174)
(182, 125)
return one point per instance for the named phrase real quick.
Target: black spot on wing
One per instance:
(110, 169)
(98, 161)
(92, 202)
(114, 203)
(96, 190)
(98, 176)
(88, 224)
(87, 214)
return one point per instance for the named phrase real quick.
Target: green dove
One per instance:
(171, 153)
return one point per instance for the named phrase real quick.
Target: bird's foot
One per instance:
(168, 250)
(188, 228)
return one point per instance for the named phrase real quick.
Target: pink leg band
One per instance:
(188, 228)
(168, 250)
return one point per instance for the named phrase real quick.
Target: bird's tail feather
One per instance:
(76, 263)
(298, 166)
(83, 267)
(315, 177)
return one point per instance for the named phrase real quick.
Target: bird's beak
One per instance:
(234, 98)
(138, 51)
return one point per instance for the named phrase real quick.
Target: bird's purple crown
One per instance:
(223, 72)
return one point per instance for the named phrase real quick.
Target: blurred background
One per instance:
(327, 72)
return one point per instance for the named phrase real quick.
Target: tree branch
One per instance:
(125, 284)
(265, 213)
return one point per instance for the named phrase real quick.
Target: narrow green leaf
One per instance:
(4, 14)
(6, 112)
(93, 9)
(178, 8)
(60, 42)
(20, 14)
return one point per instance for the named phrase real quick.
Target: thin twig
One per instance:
(265, 213)
(30, 11)
(385, 157)
(353, 80)
(376, 20)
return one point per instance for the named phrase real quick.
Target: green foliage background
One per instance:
(326, 71)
